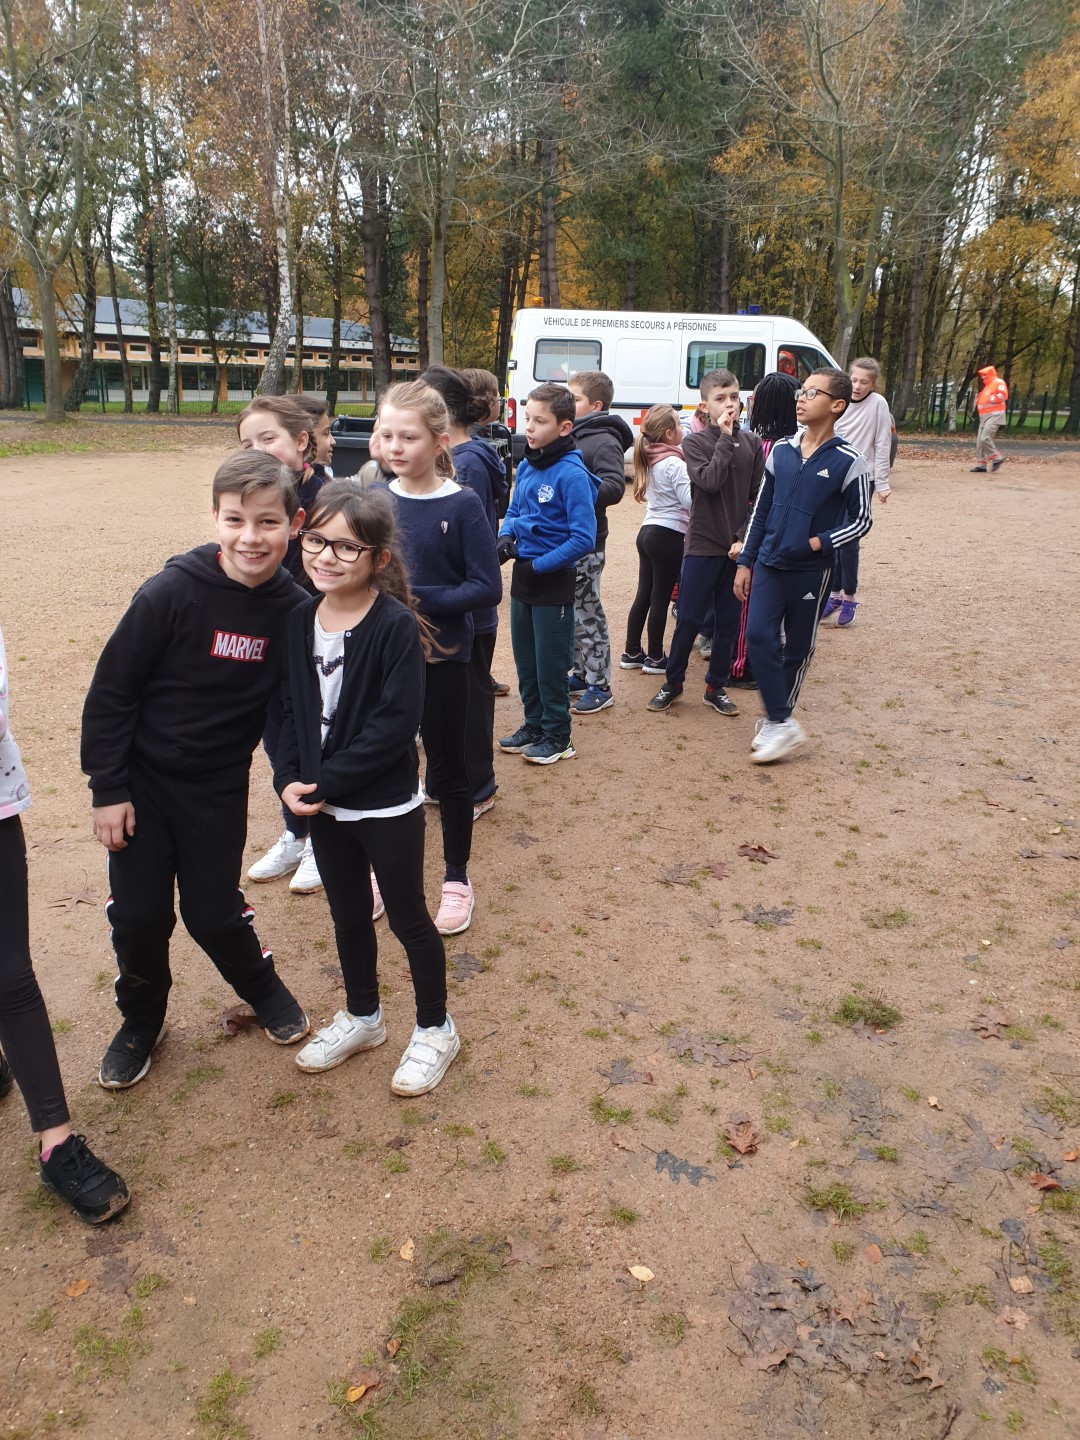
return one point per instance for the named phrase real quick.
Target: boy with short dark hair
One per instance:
(603, 440)
(814, 498)
(549, 525)
(175, 709)
(724, 463)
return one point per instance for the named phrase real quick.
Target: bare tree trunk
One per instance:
(273, 376)
(333, 374)
(11, 356)
(630, 262)
(878, 333)
(549, 199)
(374, 225)
(50, 341)
(110, 265)
(80, 382)
(297, 377)
(725, 266)
(912, 331)
(422, 281)
(1072, 423)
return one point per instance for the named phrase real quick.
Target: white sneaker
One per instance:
(776, 739)
(307, 879)
(344, 1036)
(378, 909)
(759, 732)
(281, 859)
(483, 806)
(427, 1059)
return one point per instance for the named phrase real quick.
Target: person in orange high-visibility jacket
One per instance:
(991, 403)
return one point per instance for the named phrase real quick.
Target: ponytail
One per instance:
(656, 424)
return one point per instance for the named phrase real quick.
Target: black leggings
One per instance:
(660, 555)
(25, 1036)
(394, 848)
(446, 709)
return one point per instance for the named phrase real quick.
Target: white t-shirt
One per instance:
(328, 652)
(448, 487)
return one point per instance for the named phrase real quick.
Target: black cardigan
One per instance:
(369, 759)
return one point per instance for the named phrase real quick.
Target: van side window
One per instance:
(559, 360)
(808, 358)
(745, 361)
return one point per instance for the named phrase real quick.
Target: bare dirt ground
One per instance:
(846, 1232)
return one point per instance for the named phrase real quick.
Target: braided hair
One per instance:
(772, 408)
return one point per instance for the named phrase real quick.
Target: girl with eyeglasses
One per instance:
(346, 761)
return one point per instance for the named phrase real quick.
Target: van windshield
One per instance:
(560, 360)
(747, 362)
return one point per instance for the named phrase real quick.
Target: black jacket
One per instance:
(725, 476)
(603, 439)
(183, 683)
(369, 759)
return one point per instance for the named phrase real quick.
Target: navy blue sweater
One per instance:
(453, 567)
(827, 495)
(478, 466)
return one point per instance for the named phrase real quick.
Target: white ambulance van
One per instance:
(652, 357)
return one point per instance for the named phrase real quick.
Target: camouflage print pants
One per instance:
(592, 644)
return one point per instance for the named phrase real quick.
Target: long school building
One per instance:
(243, 359)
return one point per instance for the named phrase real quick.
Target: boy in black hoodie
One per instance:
(603, 440)
(176, 707)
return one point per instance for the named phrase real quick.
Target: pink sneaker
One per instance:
(455, 908)
(378, 908)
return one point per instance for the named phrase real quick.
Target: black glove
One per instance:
(506, 549)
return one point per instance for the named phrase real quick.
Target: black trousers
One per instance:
(395, 850)
(297, 825)
(705, 581)
(189, 835)
(25, 1036)
(480, 724)
(442, 729)
(660, 556)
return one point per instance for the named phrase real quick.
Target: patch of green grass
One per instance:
(215, 1413)
(910, 1093)
(808, 942)
(889, 919)
(282, 1099)
(1065, 1108)
(410, 1116)
(918, 1243)
(61, 1027)
(667, 1107)
(1065, 1298)
(44, 1320)
(380, 1248)
(395, 1163)
(147, 1284)
(979, 1295)
(353, 1149)
(870, 1009)
(531, 1092)
(837, 1198)
(1014, 1421)
(1065, 1202)
(623, 1215)
(564, 1164)
(1018, 1032)
(669, 1328)
(111, 1354)
(596, 1032)
(814, 1037)
(888, 1153)
(458, 1132)
(585, 1401)
(843, 1250)
(830, 1088)
(604, 1113)
(492, 1152)
(266, 1342)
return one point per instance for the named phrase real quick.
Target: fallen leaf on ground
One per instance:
(934, 1376)
(1028, 854)
(990, 1024)
(68, 903)
(1067, 854)
(408, 1250)
(528, 1252)
(1038, 1181)
(48, 846)
(1021, 1285)
(1013, 1315)
(620, 1143)
(718, 870)
(933, 1102)
(873, 1254)
(356, 1392)
(239, 1020)
(393, 1345)
(1071, 1155)
(757, 852)
(642, 1273)
(682, 873)
(741, 1136)
(76, 1288)
(621, 1073)
(766, 1362)
(190, 1300)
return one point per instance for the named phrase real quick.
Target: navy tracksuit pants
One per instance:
(705, 585)
(781, 630)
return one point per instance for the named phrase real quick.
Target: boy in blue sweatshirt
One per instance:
(549, 526)
(814, 498)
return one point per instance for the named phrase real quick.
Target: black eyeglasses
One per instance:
(812, 392)
(344, 550)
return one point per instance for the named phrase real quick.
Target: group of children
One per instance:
(339, 621)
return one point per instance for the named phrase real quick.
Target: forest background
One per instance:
(901, 175)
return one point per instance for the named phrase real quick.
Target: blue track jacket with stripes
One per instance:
(827, 495)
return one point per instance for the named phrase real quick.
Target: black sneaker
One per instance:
(84, 1182)
(664, 696)
(720, 700)
(634, 661)
(289, 1027)
(521, 739)
(7, 1079)
(127, 1059)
